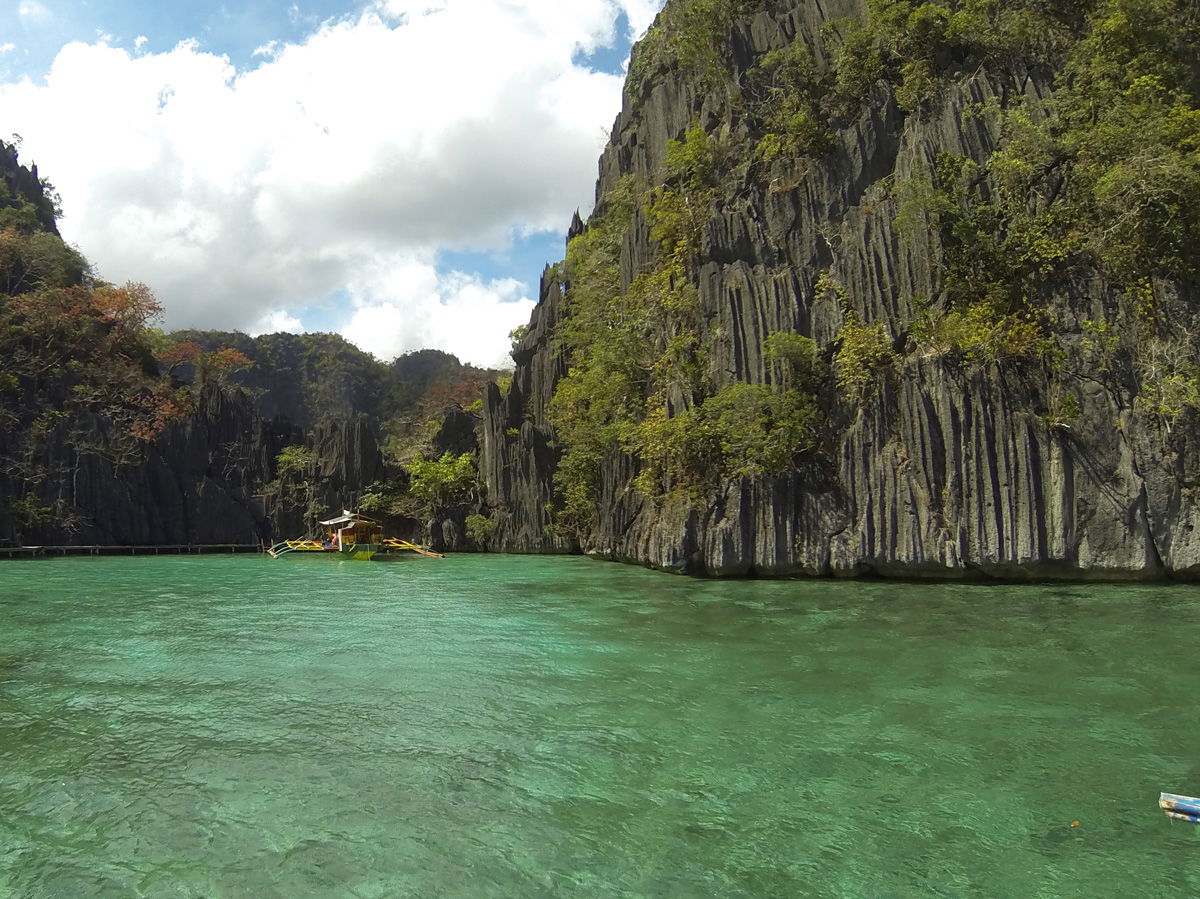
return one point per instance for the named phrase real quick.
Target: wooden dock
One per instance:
(35, 552)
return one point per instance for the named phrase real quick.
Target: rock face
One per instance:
(211, 479)
(197, 484)
(517, 459)
(346, 460)
(945, 470)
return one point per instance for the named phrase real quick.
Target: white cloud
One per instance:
(459, 313)
(270, 49)
(140, 41)
(7, 48)
(398, 305)
(275, 321)
(416, 127)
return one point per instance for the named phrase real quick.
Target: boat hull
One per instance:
(1182, 808)
(363, 551)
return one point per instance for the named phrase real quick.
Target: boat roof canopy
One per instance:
(348, 517)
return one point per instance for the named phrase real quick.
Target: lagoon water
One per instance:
(515, 726)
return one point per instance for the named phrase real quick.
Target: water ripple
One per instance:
(494, 726)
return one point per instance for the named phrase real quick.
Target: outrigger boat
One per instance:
(353, 536)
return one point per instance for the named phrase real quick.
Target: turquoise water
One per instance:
(508, 726)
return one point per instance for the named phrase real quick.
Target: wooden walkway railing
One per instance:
(29, 552)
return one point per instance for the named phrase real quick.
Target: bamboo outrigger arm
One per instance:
(396, 543)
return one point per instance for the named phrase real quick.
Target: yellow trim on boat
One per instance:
(397, 543)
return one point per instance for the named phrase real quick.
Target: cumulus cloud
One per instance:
(339, 165)
(462, 314)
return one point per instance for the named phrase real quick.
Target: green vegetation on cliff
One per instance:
(639, 378)
(1101, 176)
(28, 203)
(1095, 177)
(1104, 172)
(690, 36)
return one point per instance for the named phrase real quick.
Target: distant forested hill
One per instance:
(309, 378)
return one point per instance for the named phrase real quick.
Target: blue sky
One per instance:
(40, 29)
(398, 171)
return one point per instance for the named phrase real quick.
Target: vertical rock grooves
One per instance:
(945, 469)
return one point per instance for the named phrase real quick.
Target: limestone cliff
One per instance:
(200, 482)
(944, 460)
(209, 478)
